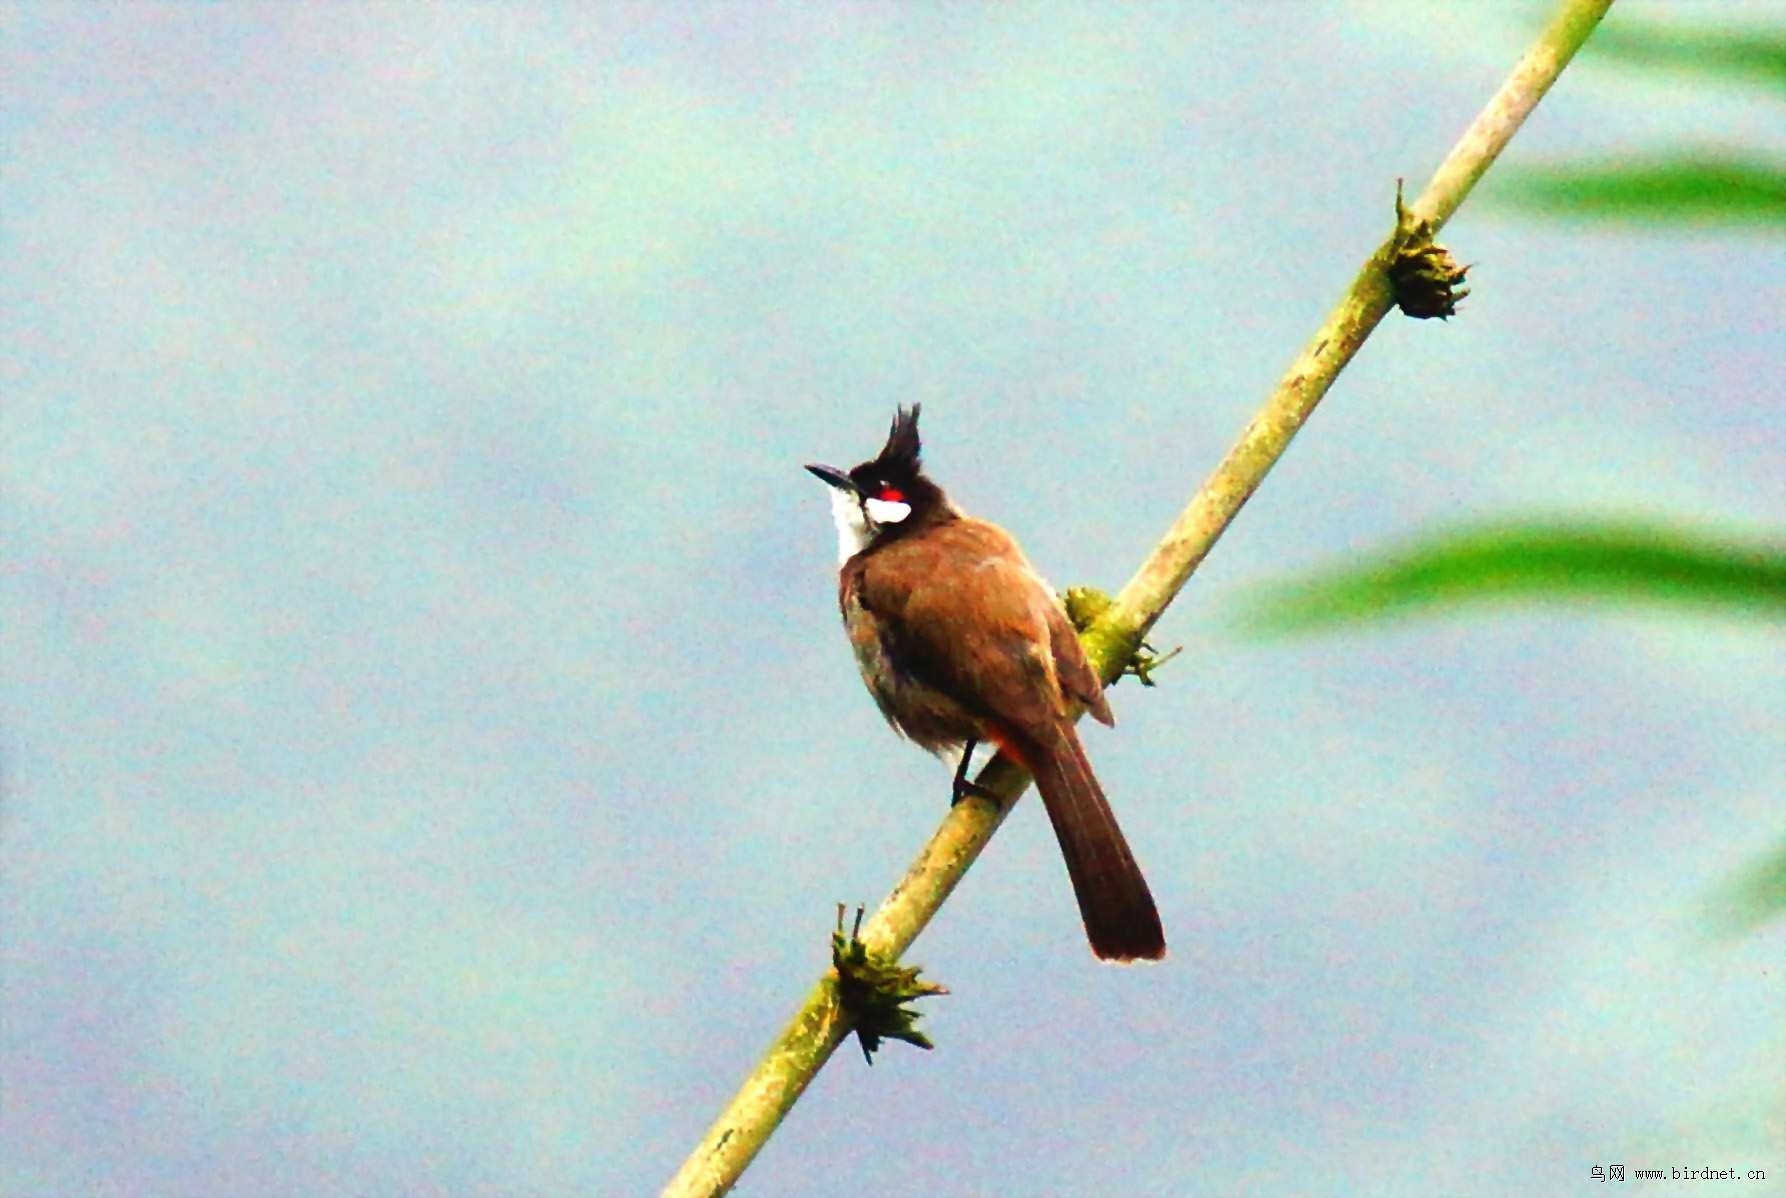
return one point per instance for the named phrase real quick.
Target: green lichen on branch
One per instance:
(1086, 605)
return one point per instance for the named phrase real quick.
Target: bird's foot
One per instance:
(966, 788)
(963, 788)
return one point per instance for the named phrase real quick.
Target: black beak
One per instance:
(834, 476)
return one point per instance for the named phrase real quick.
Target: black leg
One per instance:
(963, 787)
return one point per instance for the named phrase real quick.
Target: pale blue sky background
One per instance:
(430, 755)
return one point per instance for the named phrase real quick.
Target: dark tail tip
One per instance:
(1121, 920)
(1138, 937)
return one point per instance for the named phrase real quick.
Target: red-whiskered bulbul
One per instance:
(960, 641)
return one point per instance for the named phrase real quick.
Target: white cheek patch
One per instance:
(887, 511)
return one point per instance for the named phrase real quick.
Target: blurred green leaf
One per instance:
(1754, 897)
(1689, 188)
(1617, 563)
(1750, 55)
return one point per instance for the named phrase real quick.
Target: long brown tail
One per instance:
(1120, 918)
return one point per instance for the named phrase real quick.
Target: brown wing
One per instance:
(977, 623)
(1077, 678)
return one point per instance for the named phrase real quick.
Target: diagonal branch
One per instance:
(819, 1026)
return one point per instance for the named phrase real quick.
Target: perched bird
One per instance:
(960, 641)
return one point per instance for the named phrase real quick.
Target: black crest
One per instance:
(899, 458)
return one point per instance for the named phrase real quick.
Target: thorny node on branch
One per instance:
(874, 991)
(1424, 274)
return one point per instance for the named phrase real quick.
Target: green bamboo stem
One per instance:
(818, 1026)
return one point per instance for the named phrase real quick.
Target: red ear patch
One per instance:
(891, 495)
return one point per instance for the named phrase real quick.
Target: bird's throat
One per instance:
(853, 533)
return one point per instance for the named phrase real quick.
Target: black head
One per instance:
(888, 494)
